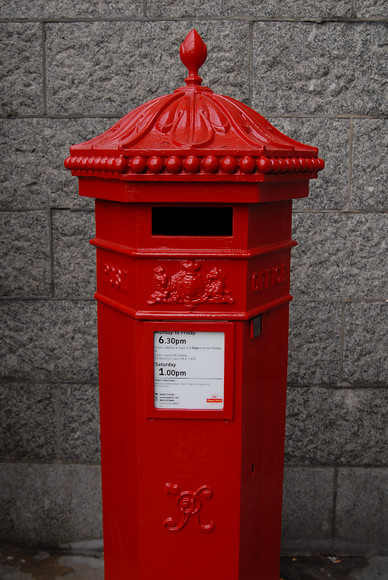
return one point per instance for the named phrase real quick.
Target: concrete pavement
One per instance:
(85, 562)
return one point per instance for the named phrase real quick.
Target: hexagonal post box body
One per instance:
(193, 233)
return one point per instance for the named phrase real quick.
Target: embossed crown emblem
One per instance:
(189, 286)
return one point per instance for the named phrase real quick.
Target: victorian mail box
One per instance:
(193, 234)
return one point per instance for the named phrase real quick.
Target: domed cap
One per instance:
(194, 134)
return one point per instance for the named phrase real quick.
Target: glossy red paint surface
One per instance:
(193, 234)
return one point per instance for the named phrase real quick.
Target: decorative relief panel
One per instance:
(269, 277)
(115, 277)
(189, 503)
(189, 286)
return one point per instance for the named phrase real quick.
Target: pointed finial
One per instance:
(193, 53)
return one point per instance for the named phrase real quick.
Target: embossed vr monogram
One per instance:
(189, 504)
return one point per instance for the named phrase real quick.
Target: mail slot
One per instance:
(193, 234)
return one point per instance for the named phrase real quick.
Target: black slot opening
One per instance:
(192, 221)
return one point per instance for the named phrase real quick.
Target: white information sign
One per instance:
(189, 370)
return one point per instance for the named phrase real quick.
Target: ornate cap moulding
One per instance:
(193, 134)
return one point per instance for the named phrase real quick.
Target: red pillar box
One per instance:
(193, 223)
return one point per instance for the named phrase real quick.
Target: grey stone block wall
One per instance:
(317, 69)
